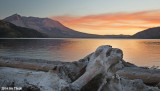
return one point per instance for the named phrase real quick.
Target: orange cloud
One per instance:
(119, 23)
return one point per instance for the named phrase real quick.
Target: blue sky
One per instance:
(47, 8)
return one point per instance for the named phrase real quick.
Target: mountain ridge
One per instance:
(53, 28)
(9, 30)
(150, 33)
(44, 25)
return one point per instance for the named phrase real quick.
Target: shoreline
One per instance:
(102, 70)
(85, 38)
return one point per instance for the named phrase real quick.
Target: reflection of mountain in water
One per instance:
(31, 43)
(33, 48)
(140, 52)
(152, 43)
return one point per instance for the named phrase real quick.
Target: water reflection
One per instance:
(140, 52)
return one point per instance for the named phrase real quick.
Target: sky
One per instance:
(91, 16)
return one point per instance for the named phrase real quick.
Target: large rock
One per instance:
(102, 70)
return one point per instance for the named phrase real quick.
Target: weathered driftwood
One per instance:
(105, 67)
(100, 62)
(107, 61)
(31, 64)
(148, 76)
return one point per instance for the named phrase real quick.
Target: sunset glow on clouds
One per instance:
(112, 23)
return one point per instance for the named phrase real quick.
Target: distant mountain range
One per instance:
(44, 25)
(50, 28)
(151, 33)
(9, 30)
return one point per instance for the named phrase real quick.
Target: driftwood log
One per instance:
(104, 69)
(31, 64)
(147, 75)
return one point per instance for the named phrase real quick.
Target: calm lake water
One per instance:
(139, 52)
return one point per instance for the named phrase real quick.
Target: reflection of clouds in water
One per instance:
(140, 52)
(156, 61)
(30, 48)
(152, 42)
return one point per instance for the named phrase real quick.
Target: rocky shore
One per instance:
(102, 70)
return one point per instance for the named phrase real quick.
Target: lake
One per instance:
(141, 52)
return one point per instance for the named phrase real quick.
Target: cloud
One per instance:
(112, 21)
